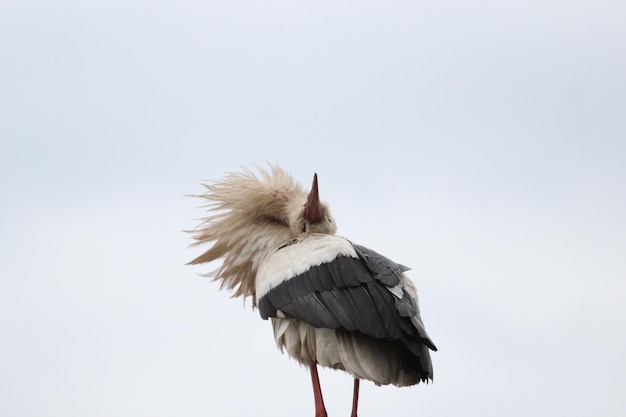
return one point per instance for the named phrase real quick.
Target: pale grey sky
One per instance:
(481, 143)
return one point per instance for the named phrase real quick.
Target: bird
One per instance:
(331, 302)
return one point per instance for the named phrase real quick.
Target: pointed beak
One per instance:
(313, 208)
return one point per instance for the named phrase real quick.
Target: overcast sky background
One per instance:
(481, 143)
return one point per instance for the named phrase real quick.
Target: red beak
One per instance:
(313, 208)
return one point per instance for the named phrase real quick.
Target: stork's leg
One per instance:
(320, 410)
(355, 397)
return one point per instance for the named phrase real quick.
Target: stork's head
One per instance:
(313, 216)
(250, 216)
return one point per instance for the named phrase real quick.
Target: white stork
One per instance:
(331, 302)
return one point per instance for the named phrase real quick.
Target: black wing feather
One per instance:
(384, 269)
(352, 294)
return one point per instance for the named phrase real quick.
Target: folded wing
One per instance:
(328, 282)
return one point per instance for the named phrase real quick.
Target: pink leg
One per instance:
(320, 410)
(355, 397)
